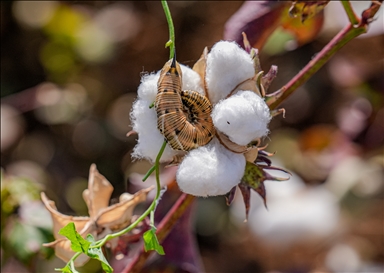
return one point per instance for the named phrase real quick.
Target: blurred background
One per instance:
(69, 74)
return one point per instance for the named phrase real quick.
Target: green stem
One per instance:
(343, 37)
(71, 261)
(350, 13)
(156, 167)
(149, 173)
(171, 41)
(146, 213)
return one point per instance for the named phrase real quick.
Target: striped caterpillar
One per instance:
(183, 117)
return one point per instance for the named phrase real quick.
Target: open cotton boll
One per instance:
(210, 170)
(149, 140)
(227, 66)
(144, 119)
(191, 80)
(148, 88)
(243, 117)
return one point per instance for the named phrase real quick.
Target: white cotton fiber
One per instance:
(210, 170)
(191, 80)
(144, 119)
(243, 117)
(148, 88)
(149, 139)
(227, 66)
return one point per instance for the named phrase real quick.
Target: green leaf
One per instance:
(151, 242)
(78, 243)
(97, 253)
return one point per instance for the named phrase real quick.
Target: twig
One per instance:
(145, 214)
(353, 19)
(163, 229)
(343, 37)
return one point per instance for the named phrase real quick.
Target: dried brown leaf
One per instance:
(103, 218)
(98, 193)
(230, 145)
(200, 67)
(119, 215)
(251, 155)
(60, 220)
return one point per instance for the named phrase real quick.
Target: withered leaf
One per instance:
(200, 67)
(102, 217)
(230, 145)
(98, 193)
(119, 215)
(60, 220)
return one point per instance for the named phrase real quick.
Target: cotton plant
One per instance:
(232, 79)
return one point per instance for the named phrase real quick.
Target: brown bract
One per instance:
(103, 219)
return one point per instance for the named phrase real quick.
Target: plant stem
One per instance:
(343, 37)
(350, 13)
(163, 229)
(146, 213)
(171, 41)
(149, 173)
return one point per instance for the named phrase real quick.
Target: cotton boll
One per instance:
(243, 117)
(210, 170)
(148, 88)
(149, 140)
(227, 66)
(144, 119)
(191, 80)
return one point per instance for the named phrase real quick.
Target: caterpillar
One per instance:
(183, 117)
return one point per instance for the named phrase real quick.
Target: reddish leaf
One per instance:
(257, 19)
(262, 192)
(246, 192)
(230, 196)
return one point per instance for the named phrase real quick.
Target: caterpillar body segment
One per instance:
(183, 117)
